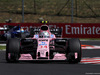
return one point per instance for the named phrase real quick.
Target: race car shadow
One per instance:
(38, 62)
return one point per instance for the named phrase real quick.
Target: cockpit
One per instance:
(44, 34)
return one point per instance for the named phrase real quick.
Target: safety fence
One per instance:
(55, 11)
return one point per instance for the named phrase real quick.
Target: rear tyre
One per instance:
(13, 50)
(74, 46)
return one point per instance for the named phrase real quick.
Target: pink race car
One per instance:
(44, 45)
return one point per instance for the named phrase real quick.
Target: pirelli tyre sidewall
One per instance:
(13, 48)
(74, 45)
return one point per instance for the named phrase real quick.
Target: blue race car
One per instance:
(14, 32)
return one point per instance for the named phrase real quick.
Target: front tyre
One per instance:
(13, 50)
(74, 46)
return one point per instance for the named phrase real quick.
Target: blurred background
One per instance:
(55, 11)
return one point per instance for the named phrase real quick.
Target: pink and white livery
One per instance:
(44, 45)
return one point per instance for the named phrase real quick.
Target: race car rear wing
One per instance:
(3, 29)
(56, 31)
(6, 28)
(34, 31)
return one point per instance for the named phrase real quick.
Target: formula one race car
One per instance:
(12, 32)
(43, 46)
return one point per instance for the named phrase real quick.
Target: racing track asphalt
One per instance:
(52, 68)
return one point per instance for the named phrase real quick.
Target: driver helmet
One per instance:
(22, 30)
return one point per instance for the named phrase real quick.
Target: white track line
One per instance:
(2, 44)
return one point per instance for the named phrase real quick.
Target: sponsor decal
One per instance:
(42, 46)
(52, 36)
(44, 40)
(82, 30)
(42, 43)
(36, 36)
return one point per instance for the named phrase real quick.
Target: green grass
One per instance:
(90, 39)
(2, 47)
(48, 9)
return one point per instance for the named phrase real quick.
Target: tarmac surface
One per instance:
(53, 68)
